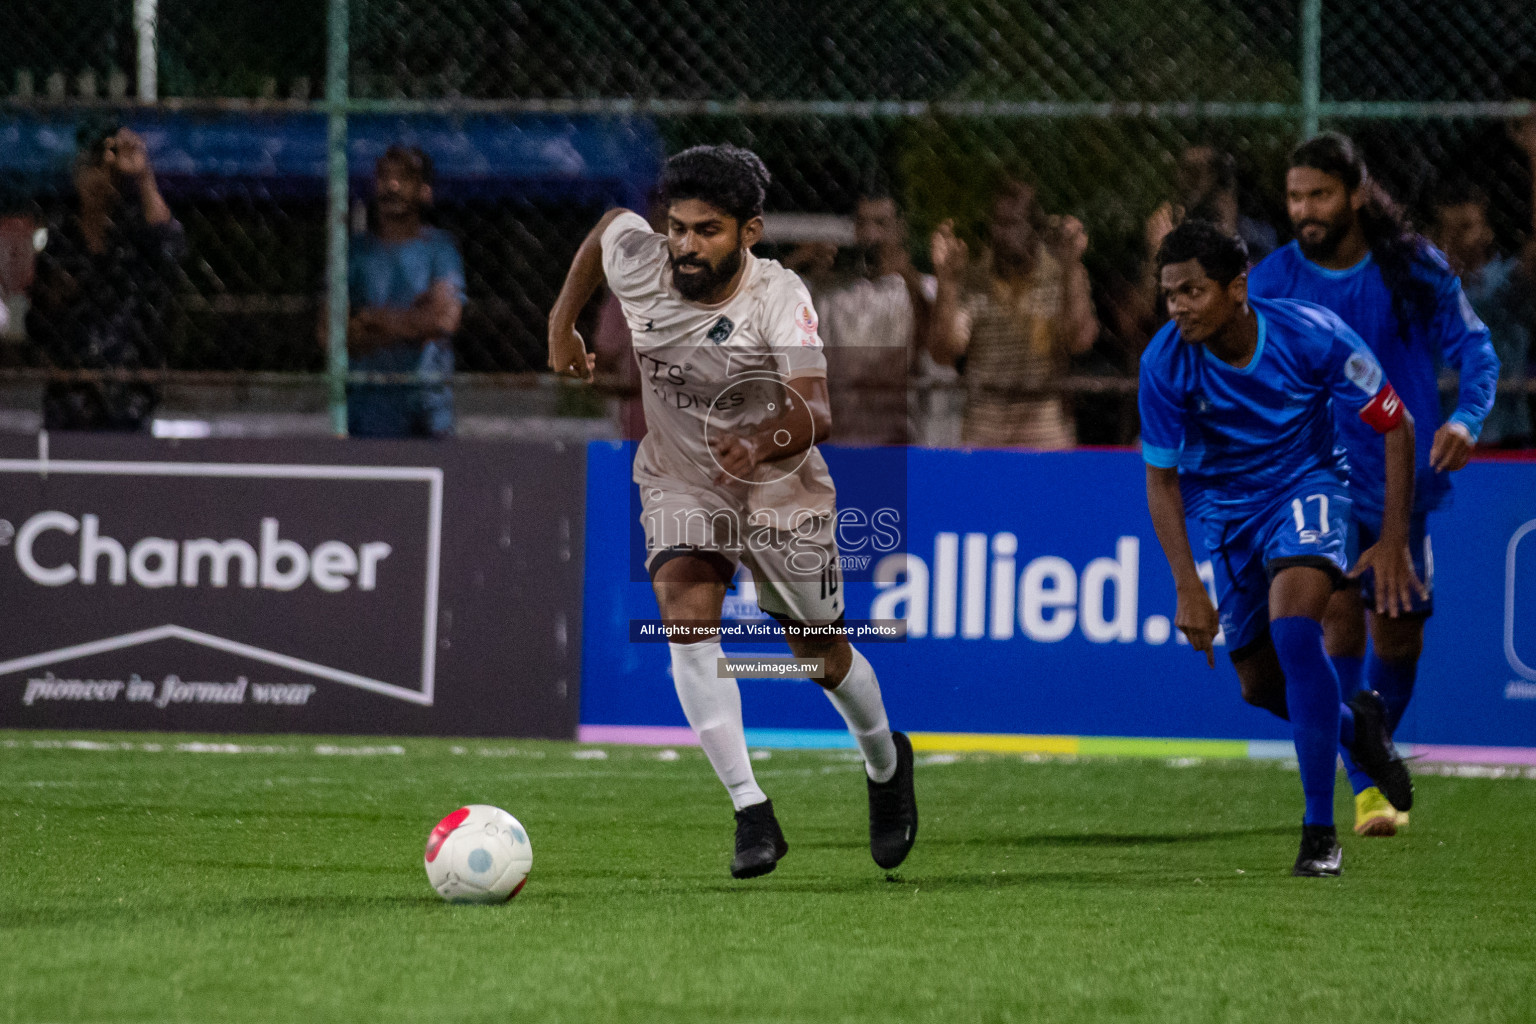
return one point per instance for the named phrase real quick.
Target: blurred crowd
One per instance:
(987, 336)
(1004, 348)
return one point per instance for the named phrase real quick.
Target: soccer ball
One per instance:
(478, 854)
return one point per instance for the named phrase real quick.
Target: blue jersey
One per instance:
(1454, 337)
(1245, 437)
(394, 275)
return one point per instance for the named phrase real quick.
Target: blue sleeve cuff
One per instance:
(1474, 424)
(1162, 458)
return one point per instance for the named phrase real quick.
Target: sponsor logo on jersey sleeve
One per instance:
(1364, 373)
(805, 320)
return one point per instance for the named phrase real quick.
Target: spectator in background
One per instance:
(1502, 291)
(406, 282)
(1208, 191)
(1497, 156)
(101, 288)
(1013, 325)
(874, 320)
(20, 238)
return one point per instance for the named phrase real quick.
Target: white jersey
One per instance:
(708, 369)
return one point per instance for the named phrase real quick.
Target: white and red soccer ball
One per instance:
(478, 854)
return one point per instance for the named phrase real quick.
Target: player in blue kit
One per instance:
(1355, 255)
(1237, 424)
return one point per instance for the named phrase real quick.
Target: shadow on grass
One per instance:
(201, 913)
(966, 881)
(249, 813)
(1064, 839)
(308, 867)
(1146, 838)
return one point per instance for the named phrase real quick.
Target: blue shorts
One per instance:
(1309, 526)
(1363, 534)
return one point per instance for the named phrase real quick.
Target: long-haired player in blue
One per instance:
(1355, 254)
(1237, 426)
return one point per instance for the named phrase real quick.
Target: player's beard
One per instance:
(1325, 247)
(698, 286)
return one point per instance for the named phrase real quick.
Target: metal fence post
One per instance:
(148, 51)
(337, 306)
(1311, 65)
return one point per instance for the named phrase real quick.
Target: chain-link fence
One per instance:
(538, 115)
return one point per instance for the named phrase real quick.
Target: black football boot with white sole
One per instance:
(759, 841)
(893, 809)
(1320, 855)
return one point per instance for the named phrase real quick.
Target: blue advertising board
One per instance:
(612, 159)
(1037, 601)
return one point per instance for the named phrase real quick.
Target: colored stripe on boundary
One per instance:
(994, 743)
(1059, 746)
(1115, 746)
(639, 735)
(682, 736)
(1469, 755)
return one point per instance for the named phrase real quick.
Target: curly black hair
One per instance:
(1222, 256)
(1395, 246)
(727, 177)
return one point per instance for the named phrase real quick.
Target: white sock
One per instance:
(713, 707)
(857, 699)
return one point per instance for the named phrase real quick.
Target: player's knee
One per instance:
(1262, 683)
(1399, 639)
(1260, 694)
(1344, 626)
(1399, 648)
(834, 654)
(807, 648)
(687, 602)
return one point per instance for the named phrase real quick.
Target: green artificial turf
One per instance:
(282, 883)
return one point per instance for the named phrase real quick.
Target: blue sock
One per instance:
(1359, 782)
(1312, 695)
(1348, 668)
(1394, 681)
(1349, 671)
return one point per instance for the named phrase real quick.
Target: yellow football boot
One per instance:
(1374, 814)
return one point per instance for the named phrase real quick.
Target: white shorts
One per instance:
(794, 564)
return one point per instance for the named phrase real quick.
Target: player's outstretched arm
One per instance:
(1396, 582)
(1195, 614)
(568, 355)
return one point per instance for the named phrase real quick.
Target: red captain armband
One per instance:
(1385, 411)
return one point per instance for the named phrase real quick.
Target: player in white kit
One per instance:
(735, 394)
